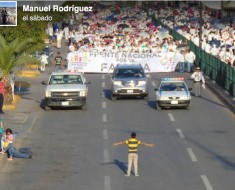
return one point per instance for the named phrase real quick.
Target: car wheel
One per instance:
(158, 107)
(83, 107)
(47, 108)
(146, 97)
(189, 106)
(113, 97)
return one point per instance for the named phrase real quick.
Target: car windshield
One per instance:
(66, 79)
(173, 86)
(130, 73)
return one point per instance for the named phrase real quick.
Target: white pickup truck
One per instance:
(65, 89)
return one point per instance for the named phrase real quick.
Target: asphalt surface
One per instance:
(73, 148)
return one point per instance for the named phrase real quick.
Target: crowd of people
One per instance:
(132, 29)
(186, 23)
(114, 28)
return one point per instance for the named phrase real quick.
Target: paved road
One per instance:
(73, 148)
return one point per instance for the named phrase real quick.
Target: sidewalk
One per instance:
(22, 118)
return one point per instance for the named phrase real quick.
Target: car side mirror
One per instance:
(190, 89)
(44, 82)
(87, 82)
(155, 89)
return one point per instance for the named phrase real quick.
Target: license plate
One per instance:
(129, 91)
(65, 103)
(174, 102)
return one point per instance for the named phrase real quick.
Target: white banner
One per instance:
(104, 62)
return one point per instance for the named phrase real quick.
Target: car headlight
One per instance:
(185, 97)
(83, 93)
(48, 94)
(162, 98)
(142, 83)
(117, 83)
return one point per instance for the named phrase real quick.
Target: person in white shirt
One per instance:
(214, 50)
(199, 81)
(44, 61)
(66, 32)
(189, 59)
(181, 61)
(59, 36)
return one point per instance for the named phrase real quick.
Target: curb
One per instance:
(28, 74)
(12, 106)
(32, 66)
(221, 94)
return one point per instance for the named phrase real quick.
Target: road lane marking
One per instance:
(103, 77)
(107, 183)
(106, 156)
(154, 84)
(104, 118)
(104, 105)
(180, 132)
(103, 84)
(206, 182)
(191, 154)
(103, 94)
(171, 117)
(105, 134)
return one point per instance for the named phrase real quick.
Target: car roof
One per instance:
(126, 66)
(172, 79)
(65, 73)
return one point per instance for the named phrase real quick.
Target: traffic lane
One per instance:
(211, 136)
(166, 166)
(208, 129)
(128, 115)
(68, 145)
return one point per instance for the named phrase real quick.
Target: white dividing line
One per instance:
(171, 117)
(154, 84)
(191, 155)
(103, 94)
(206, 182)
(103, 84)
(106, 156)
(105, 134)
(104, 118)
(107, 183)
(180, 132)
(104, 105)
(103, 77)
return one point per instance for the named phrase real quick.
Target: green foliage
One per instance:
(15, 53)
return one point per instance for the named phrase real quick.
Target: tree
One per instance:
(14, 54)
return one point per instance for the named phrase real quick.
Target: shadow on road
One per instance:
(121, 165)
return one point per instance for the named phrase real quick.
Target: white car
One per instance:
(173, 92)
(66, 89)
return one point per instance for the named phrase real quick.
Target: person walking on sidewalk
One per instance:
(2, 92)
(133, 144)
(44, 61)
(190, 58)
(199, 81)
